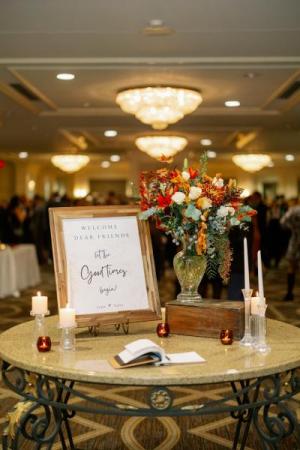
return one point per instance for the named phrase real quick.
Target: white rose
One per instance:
(218, 182)
(222, 211)
(195, 192)
(231, 210)
(185, 175)
(178, 197)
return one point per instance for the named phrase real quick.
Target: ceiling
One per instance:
(233, 49)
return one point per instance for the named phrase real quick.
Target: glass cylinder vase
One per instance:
(189, 270)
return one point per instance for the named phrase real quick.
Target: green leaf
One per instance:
(144, 215)
(246, 219)
(203, 164)
(234, 222)
(192, 212)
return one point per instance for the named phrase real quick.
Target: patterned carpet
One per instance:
(137, 433)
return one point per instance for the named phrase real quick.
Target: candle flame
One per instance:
(39, 293)
(257, 294)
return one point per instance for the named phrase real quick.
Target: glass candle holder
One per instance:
(247, 340)
(163, 329)
(67, 340)
(43, 344)
(40, 328)
(261, 343)
(226, 337)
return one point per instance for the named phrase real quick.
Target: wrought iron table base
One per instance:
(44, 413)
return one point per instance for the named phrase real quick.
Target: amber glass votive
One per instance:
(43, 344)
(163, 329)
(226, 337)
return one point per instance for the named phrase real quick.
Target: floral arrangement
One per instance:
(196, 210)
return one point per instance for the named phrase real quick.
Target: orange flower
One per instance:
(201, 244)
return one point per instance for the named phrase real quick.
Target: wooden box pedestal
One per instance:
(206, 318)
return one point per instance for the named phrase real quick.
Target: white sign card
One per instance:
(105, 266)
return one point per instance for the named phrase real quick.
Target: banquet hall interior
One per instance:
(76, 130)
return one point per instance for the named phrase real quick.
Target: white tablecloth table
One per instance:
(19, 269)
(8, 281)
(27, 267)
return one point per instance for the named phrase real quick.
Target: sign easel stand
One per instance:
(95, 329)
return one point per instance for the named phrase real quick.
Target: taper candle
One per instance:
(246, 265)
(260, 277)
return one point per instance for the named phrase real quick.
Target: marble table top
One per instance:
(89, 362)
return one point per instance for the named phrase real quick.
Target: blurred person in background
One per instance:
(275, 233)
(17, 217)
(38, 227)
(260, 239)
(237, 276)
(291, 220)
(2, 222)
(112, 199)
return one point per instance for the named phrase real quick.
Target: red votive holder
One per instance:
(43, 344)
(226, 337)
(163, 329)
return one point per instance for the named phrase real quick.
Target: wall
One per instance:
(7, 181)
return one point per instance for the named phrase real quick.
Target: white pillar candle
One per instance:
(67, 317)
(39, 304)
(260, 276)
(246, 265)
(255, 301)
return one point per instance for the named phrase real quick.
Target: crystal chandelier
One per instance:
(161, 147)
(159, 106)
(70, 163)
(252, 162)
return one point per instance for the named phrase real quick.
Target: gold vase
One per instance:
(189, 270)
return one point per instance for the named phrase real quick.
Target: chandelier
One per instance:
(70, 163)
(161, 147)
(252, 162)
(159, 106)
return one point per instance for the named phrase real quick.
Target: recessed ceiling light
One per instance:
(232, 103)
(115, 158)
(105, 164)
(211, 154)
(23, 155)
(251, 75)
(156, 23)
(206, 142)
(110, 133)
(65, 76)
(290, 157)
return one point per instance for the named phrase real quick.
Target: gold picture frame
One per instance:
(65, 243)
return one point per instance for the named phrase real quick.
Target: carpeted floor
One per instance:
(115, 433)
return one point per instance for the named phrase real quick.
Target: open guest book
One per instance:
(145, 351)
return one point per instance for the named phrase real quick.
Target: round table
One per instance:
(259, 382)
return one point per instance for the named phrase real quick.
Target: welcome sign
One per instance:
(104, 264)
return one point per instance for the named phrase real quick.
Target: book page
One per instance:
(183, 358)
(140, 345)
(138, 348)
